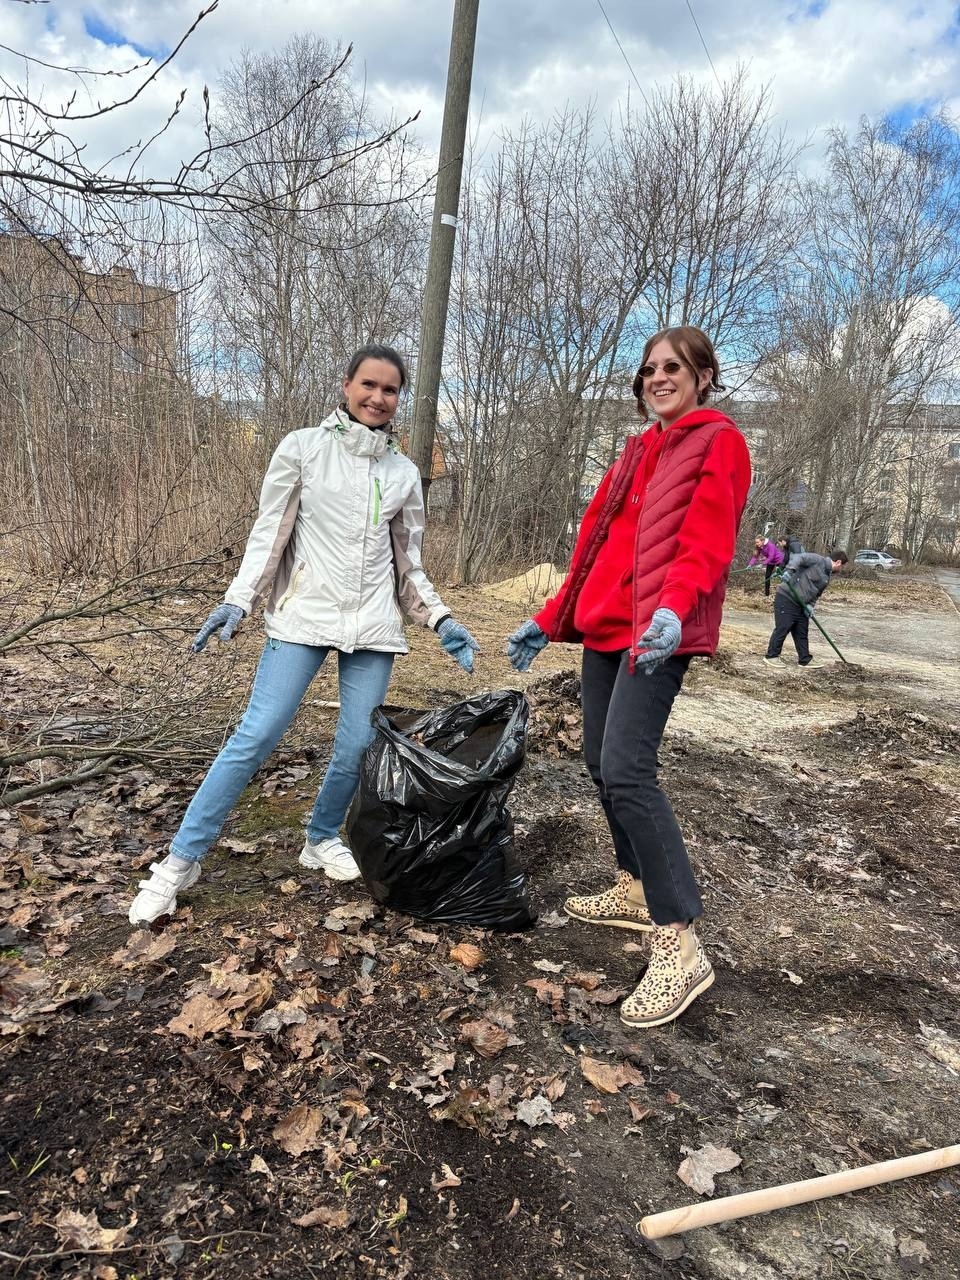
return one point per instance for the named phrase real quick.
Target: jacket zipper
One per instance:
(376, 500)
(634, 650)
(293, 585)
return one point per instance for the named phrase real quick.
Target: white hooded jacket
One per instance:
(337, 541)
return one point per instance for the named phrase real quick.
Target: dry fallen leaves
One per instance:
(96, 821)
(609, 1078)
(485, 1037)
(77, 1230)
(144, 948)
(225, 1003)
(548, 993)
(468, 955)
(701, 1166)
(351, 913)
(299, 1131)
(200, 1016)
(421, 935)
(447, 1179)
(535, 1111)
(638, 1112)
(18, 983)
(334, 1219)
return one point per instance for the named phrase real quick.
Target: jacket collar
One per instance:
(358, 439)
(695, 418)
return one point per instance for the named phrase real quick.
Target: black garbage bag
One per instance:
(429, 825)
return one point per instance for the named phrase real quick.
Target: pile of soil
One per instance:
(531, 587)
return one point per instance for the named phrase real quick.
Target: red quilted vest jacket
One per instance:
(665, 504)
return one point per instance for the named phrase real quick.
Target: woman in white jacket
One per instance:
(336, 550)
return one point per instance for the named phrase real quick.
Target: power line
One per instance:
(703, 42)
(623, 52)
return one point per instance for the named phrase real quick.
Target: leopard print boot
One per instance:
(678, 972)
(623, 906)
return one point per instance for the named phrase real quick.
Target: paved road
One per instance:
(949, 579)
(917, 650)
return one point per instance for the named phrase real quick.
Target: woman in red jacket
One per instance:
(643, 595)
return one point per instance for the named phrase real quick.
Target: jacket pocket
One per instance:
(294, 583)
(377, 500)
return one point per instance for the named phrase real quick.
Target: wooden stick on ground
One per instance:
(673, 1221)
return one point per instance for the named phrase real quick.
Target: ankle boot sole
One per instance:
(623, 922)
(697, 990)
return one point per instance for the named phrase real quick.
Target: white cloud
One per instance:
(853, 57)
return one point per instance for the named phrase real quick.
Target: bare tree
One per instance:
(303, 281)
(869, 310)
(704, 183)
(106, 327)
(49, 185)
(541, 302)
(573, 248)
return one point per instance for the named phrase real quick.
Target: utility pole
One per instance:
(443, 236)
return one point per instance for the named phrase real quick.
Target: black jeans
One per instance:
(789, 618)
(624, 717)
(766, 581)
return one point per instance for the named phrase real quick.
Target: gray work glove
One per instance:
(659, 641)
(525, 643)
(808, 610)
(225, 616)
(458, 642)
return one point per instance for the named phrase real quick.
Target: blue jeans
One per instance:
(283, 677)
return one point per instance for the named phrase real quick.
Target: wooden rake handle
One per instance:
(673, 1221)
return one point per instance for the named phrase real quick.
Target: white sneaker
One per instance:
(158, 895)
(330, 856)
(773, 662)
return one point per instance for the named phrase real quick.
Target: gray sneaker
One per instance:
(330, 856)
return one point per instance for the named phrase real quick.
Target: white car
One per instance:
(877, 560)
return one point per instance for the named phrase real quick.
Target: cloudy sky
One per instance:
(827, 62)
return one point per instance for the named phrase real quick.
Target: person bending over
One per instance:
(804, 581)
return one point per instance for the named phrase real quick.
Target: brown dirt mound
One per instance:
(530, 587)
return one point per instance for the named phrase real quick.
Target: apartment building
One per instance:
(92, 323)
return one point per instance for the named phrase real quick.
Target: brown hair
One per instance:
(377, 351)
(696, 351)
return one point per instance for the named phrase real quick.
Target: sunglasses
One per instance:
(669, 367)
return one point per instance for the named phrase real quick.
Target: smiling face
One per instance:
(372, 393)
(670, 395)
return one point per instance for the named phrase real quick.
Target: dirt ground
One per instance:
(287, 1081)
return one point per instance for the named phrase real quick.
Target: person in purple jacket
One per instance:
(769, 554)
